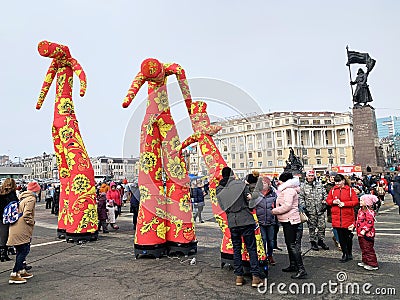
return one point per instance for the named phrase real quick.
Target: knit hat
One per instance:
(310, 173)
(33, 186)
(266, 180)
(369, 199)
(227, 172)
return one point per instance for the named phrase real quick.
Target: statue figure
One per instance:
(362, 93)
(293, 164)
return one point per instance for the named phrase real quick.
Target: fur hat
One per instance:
(285, 176)
(369, 199)
(33, 186)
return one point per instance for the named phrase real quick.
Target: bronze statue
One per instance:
(293, 164)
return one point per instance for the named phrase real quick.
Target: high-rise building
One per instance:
(388, 126)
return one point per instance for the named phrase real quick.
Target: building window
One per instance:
(318, 161)
(259, 164)
(328, 122)
(250, 147)
(225, 148)
(279, 143)
(330, 151)
(251, 164)
(233, 165)
(316, 122)
(225, 157)
(280, 162)
(331, 161)
(259, 154)
(342, 160)
(280, 152)
(259, 145)
(233, 148)
(250, 154)
(241, 155)
(305, 161)
(241, 165)
(287, 121)
(317, 151)
(278, 133)
(240, 128)
(342, 132)
(233, 156)
(269, 135)
(304, 151)
(277, 122)
(269, 153)
(258, 125)
(269, 163)
(248, 127)
(223, 130)
(269, 144)
(249, 138)
(241, 147)
(266, 124)
(232, 140)
(342, 150)
(304, 122)
(241, 139)
(342, 141)
(231, 129)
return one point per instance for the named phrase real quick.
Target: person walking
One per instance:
(287, 211)
(365, 227)
(396, 191)
(198, 201)
(264, 205)
(342, 200)
(56, 200)
(233, 196)
(21, 232)
(312, 199)
(135, 202)
(7, 195)
(102, 212)
(114, 195)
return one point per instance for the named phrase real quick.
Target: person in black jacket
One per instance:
(233, 196)
(56, 200)
(198, 201)
(7, 195)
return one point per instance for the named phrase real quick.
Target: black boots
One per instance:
(345, 258)
(291, 268)
(314, 246)
(322, 245)
(4, 254)
(301, 274)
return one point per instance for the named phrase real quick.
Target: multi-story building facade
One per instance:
(43, 167)
(262, 142)
(115, 168)
(389, 132)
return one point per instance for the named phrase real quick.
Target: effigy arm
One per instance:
(139, 80)
(182, 81)
(50, 75)
(78, 70)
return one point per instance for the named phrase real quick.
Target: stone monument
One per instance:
(367, 151)
(293, 164)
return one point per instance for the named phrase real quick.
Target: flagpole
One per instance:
(352, 92)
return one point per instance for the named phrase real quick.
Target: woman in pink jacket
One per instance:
(287, 211)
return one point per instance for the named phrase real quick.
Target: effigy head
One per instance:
(153, 69)
(53, 50)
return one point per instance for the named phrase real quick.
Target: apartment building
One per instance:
(262, 142)
(115, 168)
(43, 167)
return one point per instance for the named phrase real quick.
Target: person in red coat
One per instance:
(114, 195)
(342, 200)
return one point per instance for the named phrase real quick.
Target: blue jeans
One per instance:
(247, 232)
(267, 234)
(22, 253)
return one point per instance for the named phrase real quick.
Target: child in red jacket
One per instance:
(366, 231)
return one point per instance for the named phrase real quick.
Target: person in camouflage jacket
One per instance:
(312, 197)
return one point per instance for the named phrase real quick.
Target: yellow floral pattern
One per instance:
(162, 101)
(66, 106)
(147, 162)
(80, 184)
(176, 167)
(66, 133)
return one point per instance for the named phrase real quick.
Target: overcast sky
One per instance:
(286, 55)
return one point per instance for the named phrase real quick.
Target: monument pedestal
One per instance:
(367, 151)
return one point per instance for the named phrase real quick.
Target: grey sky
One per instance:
(288, 55)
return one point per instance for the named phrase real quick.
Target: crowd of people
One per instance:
(349, 203)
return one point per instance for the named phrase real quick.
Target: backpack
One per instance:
(10, 214)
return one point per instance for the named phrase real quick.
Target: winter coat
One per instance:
(366, 221)
(101, 207)
(232, 197)
(198, 196)
(114, 195)
(287, 203)
(264, 206)
(396, 190)
(21, 231)
(342, 217)
(312, 197)
(5, 199)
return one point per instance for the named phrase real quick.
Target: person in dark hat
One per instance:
(233, 196)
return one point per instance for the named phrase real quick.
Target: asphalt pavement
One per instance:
(107, 268)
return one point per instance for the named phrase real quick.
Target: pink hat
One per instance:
(369, 199)
(33, 186)
(310, 173)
